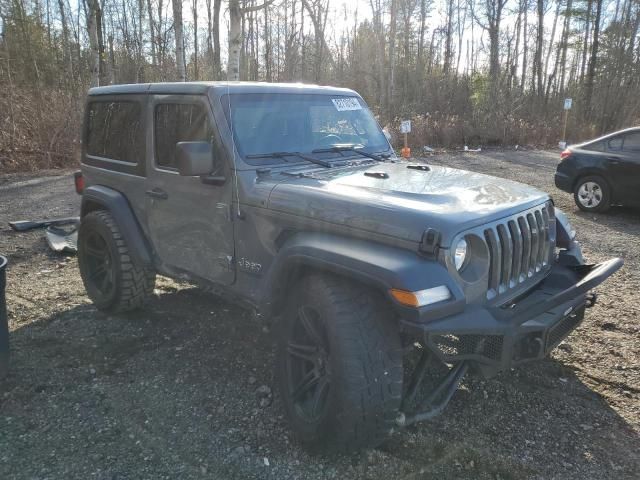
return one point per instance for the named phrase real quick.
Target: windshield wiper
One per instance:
(283, 155)
(349, 148)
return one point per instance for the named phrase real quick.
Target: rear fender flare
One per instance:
(98, 197)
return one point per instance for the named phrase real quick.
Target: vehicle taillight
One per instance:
(566, 153)
(79, 181)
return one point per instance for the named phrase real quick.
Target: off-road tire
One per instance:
(132, 283)
(605, 202)
(365, 359)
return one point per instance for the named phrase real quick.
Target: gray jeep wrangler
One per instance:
(385, 280)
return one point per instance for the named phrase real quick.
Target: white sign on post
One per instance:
(405, 126)
(567, 103)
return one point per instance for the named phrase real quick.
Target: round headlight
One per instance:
(460, 254)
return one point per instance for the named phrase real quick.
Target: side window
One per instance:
(632, 143)
(615, 143)
(179, 122)
(114, 131)
(596, 147)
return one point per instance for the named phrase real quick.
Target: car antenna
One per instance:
(233, 153)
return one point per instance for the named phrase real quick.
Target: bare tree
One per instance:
(178, 30)
(92, 9)
(236, 13)
(490, 22)
(594, 58)
(448, 54)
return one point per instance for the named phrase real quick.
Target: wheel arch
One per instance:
(588, 172)
(100, 197)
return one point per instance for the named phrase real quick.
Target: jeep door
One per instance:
(188, 220)
(623, 162)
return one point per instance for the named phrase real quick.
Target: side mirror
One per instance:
(194, 159)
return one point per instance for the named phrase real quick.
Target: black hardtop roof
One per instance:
(220, 88)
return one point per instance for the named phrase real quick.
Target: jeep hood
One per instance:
(405, 203)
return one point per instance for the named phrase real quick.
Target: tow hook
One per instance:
(591, 300)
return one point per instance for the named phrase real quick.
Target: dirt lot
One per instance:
(181, 390)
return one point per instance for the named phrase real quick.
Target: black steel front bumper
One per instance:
(497, 338)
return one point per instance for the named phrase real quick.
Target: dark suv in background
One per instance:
(603, 171)
(289, 200)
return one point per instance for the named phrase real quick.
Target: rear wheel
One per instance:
(592, 194)
(114, 282)
(339, 365)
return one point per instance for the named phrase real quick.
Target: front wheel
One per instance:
(592, 194)
(339, 365)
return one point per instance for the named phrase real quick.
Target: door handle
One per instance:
(157, 193)
(613, 160)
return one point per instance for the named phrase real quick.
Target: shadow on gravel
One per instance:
(622, 219)
(183, 390)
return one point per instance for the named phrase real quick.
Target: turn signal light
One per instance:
(421, 297)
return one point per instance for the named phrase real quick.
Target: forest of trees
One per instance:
(476, 72)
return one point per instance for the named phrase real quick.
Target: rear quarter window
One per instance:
(632, 142)
(595, 146)
(114, 130)
(615, 144)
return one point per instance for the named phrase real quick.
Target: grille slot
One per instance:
(560, 330)
(452, 346)
(519, 248)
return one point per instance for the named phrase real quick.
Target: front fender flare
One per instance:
(380, 266)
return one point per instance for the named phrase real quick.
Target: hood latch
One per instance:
(430, 242)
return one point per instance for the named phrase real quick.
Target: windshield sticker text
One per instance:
(345, 104)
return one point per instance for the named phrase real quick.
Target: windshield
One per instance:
(284, 122)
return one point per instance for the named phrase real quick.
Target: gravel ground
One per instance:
(183, 389)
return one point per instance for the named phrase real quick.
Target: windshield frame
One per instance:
(224, 99)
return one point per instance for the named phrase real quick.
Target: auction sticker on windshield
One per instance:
(348, 103)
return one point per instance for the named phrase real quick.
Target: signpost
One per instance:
(568, 102)
(405, 128)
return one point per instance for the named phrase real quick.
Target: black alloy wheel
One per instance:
(99, 263)
(309, 365)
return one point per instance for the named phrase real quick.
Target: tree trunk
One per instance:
(594, 58)
(217, 4)
(152, 33)
(549, 78)
(537, 61)
(421, 32)
(194, 11)
(565, 45)
(66, 47)
(585, 45)
(392, 55)
(235, 40)
(92, 30)
(525, 45)
(516, 54)
(448, 39)
(177, 27)
(104, 74)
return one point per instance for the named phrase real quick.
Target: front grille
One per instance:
(519, 248)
